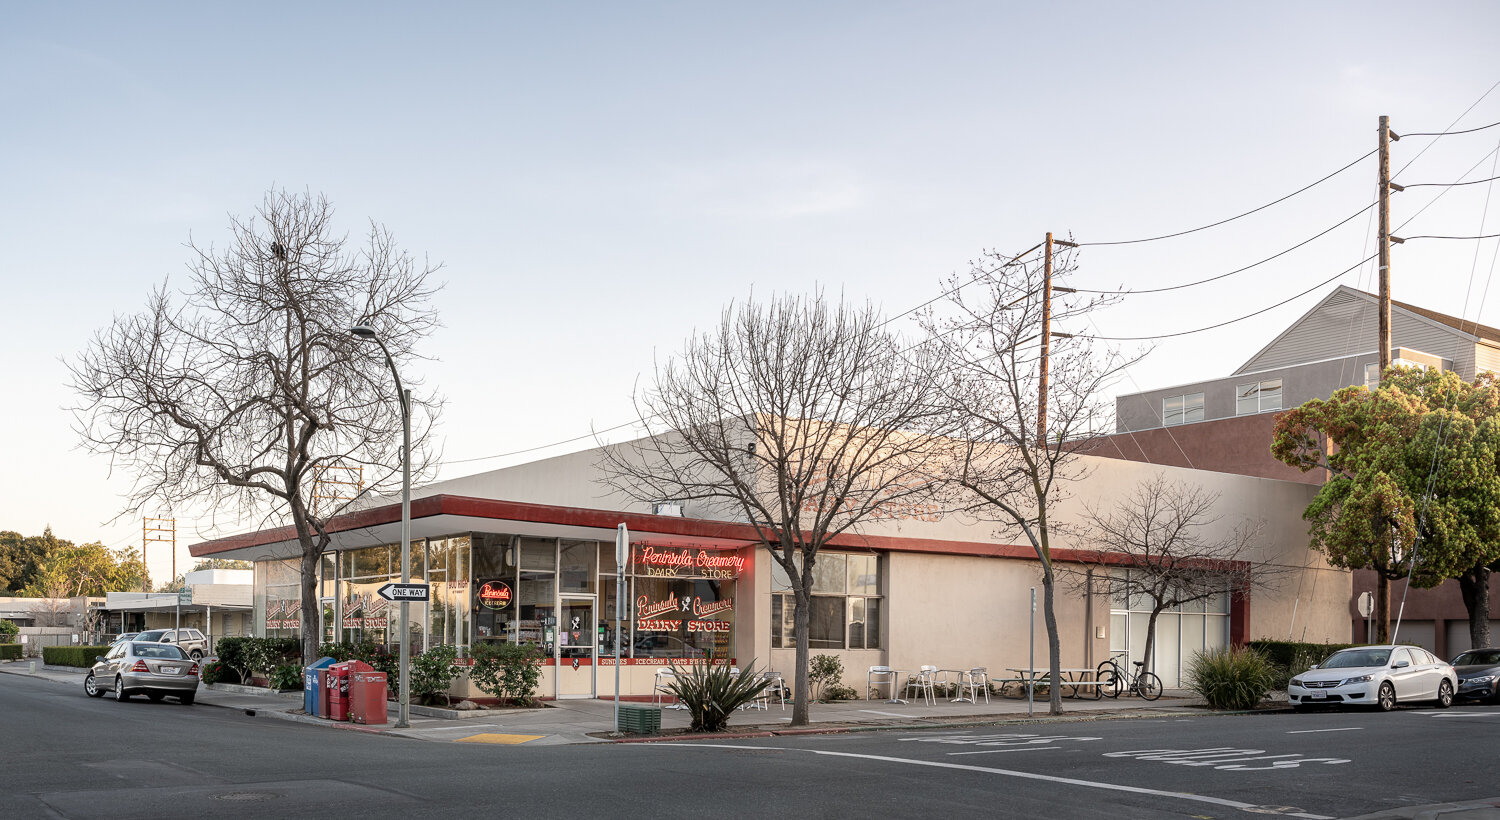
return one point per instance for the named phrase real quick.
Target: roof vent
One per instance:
(666, 508)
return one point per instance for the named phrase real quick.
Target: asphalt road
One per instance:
(65, 755)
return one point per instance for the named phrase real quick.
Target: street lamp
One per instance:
(403, 717)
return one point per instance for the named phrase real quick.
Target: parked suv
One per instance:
(190, 640)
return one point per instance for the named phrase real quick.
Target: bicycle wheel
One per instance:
(1110, 683)
(1097, 688)
(1148, 686)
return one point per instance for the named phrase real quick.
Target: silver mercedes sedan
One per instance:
(156, 670)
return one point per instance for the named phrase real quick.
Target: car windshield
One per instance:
(154, 635)
(1350, 658)
(1477, 657)
(156, 650)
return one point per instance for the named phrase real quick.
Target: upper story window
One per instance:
(1258, 397)
(1182, 409)
(1372, 375)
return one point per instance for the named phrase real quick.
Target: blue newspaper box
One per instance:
(311, 693)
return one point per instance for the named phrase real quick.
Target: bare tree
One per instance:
(54, 611)
(238, 394)
(1013, 455)
(1164, 536)
(803, 419)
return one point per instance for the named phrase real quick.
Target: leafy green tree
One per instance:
(21, 556)
(221, 563)
(86, 569)
(1414, 486)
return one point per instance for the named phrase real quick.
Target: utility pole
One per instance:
(1387, 136)
(1047, 334)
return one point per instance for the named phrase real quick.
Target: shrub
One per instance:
(10, 651)
(432, 673)
(213, 672)
(1230, 677)
(79, 656)
(8, 631)
(287, 676)
(507, 671)
(835, 692)
(824, 671)
(712, 692)
(232, 653)
(258, 656)
(1294, 657)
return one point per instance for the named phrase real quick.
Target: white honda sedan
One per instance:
(1379, 676)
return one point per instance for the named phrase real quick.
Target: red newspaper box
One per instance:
(338, 687)
(323, 684)
(367, 697)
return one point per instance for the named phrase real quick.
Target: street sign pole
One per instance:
(1031, 654)
(403, 717)
(622, 552)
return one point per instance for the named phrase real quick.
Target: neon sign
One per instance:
(495, 595)
(686, 563)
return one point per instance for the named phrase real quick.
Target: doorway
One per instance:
(577, 646)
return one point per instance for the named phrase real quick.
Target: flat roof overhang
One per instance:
(436, 516)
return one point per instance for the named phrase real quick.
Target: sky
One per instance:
(599, 180)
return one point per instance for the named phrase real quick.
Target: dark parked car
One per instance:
(155, 670)
(1478, 674)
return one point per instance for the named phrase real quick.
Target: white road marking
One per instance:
(1226, 758)
(1315, 731)
(1458, 714)
(1047, 778)
(1001, 751)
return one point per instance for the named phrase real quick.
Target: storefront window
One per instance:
(278, 598)
(845, 603)
(576, 562)
(448, 572)
(494, 594)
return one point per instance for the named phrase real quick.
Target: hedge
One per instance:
(1295, 657)
(10, 651)
(80, 656)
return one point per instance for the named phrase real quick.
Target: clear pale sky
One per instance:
(602, 178)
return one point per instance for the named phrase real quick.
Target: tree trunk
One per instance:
(1054, 647)
(1475, 587)
(1150, 651)
(1382, 609)
(799, 677)
(312, 608)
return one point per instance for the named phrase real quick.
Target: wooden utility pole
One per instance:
(163, 530)
(1047, 334)
(1383, 584)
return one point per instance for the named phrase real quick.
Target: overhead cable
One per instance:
(1304, 188)
(1274, 256)
(1239, 319)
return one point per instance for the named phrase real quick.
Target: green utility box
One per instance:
(639, 720)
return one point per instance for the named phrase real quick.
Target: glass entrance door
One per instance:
(577, 647)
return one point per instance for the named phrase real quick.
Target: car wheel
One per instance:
(120, 690)
(1386, 700)
(1445, 694)
(196, 655)
(187, 700)
(91, 687)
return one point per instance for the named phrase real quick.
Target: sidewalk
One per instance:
(590, 721)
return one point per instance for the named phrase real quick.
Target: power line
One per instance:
(1274, 256)
(1455, 133)
(957, 288)
(1481, 236)
(1446, 130)
(1239, 319)
(1304, 188)
(542, 446)
(1449, 184)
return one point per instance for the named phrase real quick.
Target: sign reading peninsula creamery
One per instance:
(687, 563)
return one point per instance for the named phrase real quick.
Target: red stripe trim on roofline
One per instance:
(498, 509)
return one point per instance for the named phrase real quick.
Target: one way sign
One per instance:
(404, 592)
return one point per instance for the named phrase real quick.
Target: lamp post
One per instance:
(403, 716)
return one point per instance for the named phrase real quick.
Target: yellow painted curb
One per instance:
(490, 737)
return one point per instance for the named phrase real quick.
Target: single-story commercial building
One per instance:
(527, 554)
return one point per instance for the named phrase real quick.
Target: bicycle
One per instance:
(1114, 680)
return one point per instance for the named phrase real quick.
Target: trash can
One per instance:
(311, 693)
(367, 698)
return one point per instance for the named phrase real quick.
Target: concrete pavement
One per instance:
(591, 721)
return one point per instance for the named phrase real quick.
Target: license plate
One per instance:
(1319, 695)
(170, 670)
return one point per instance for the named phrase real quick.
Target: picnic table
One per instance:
(1075, 678)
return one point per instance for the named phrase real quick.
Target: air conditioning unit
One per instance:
(666, 508)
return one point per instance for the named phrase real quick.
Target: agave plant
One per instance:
(711, 692)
